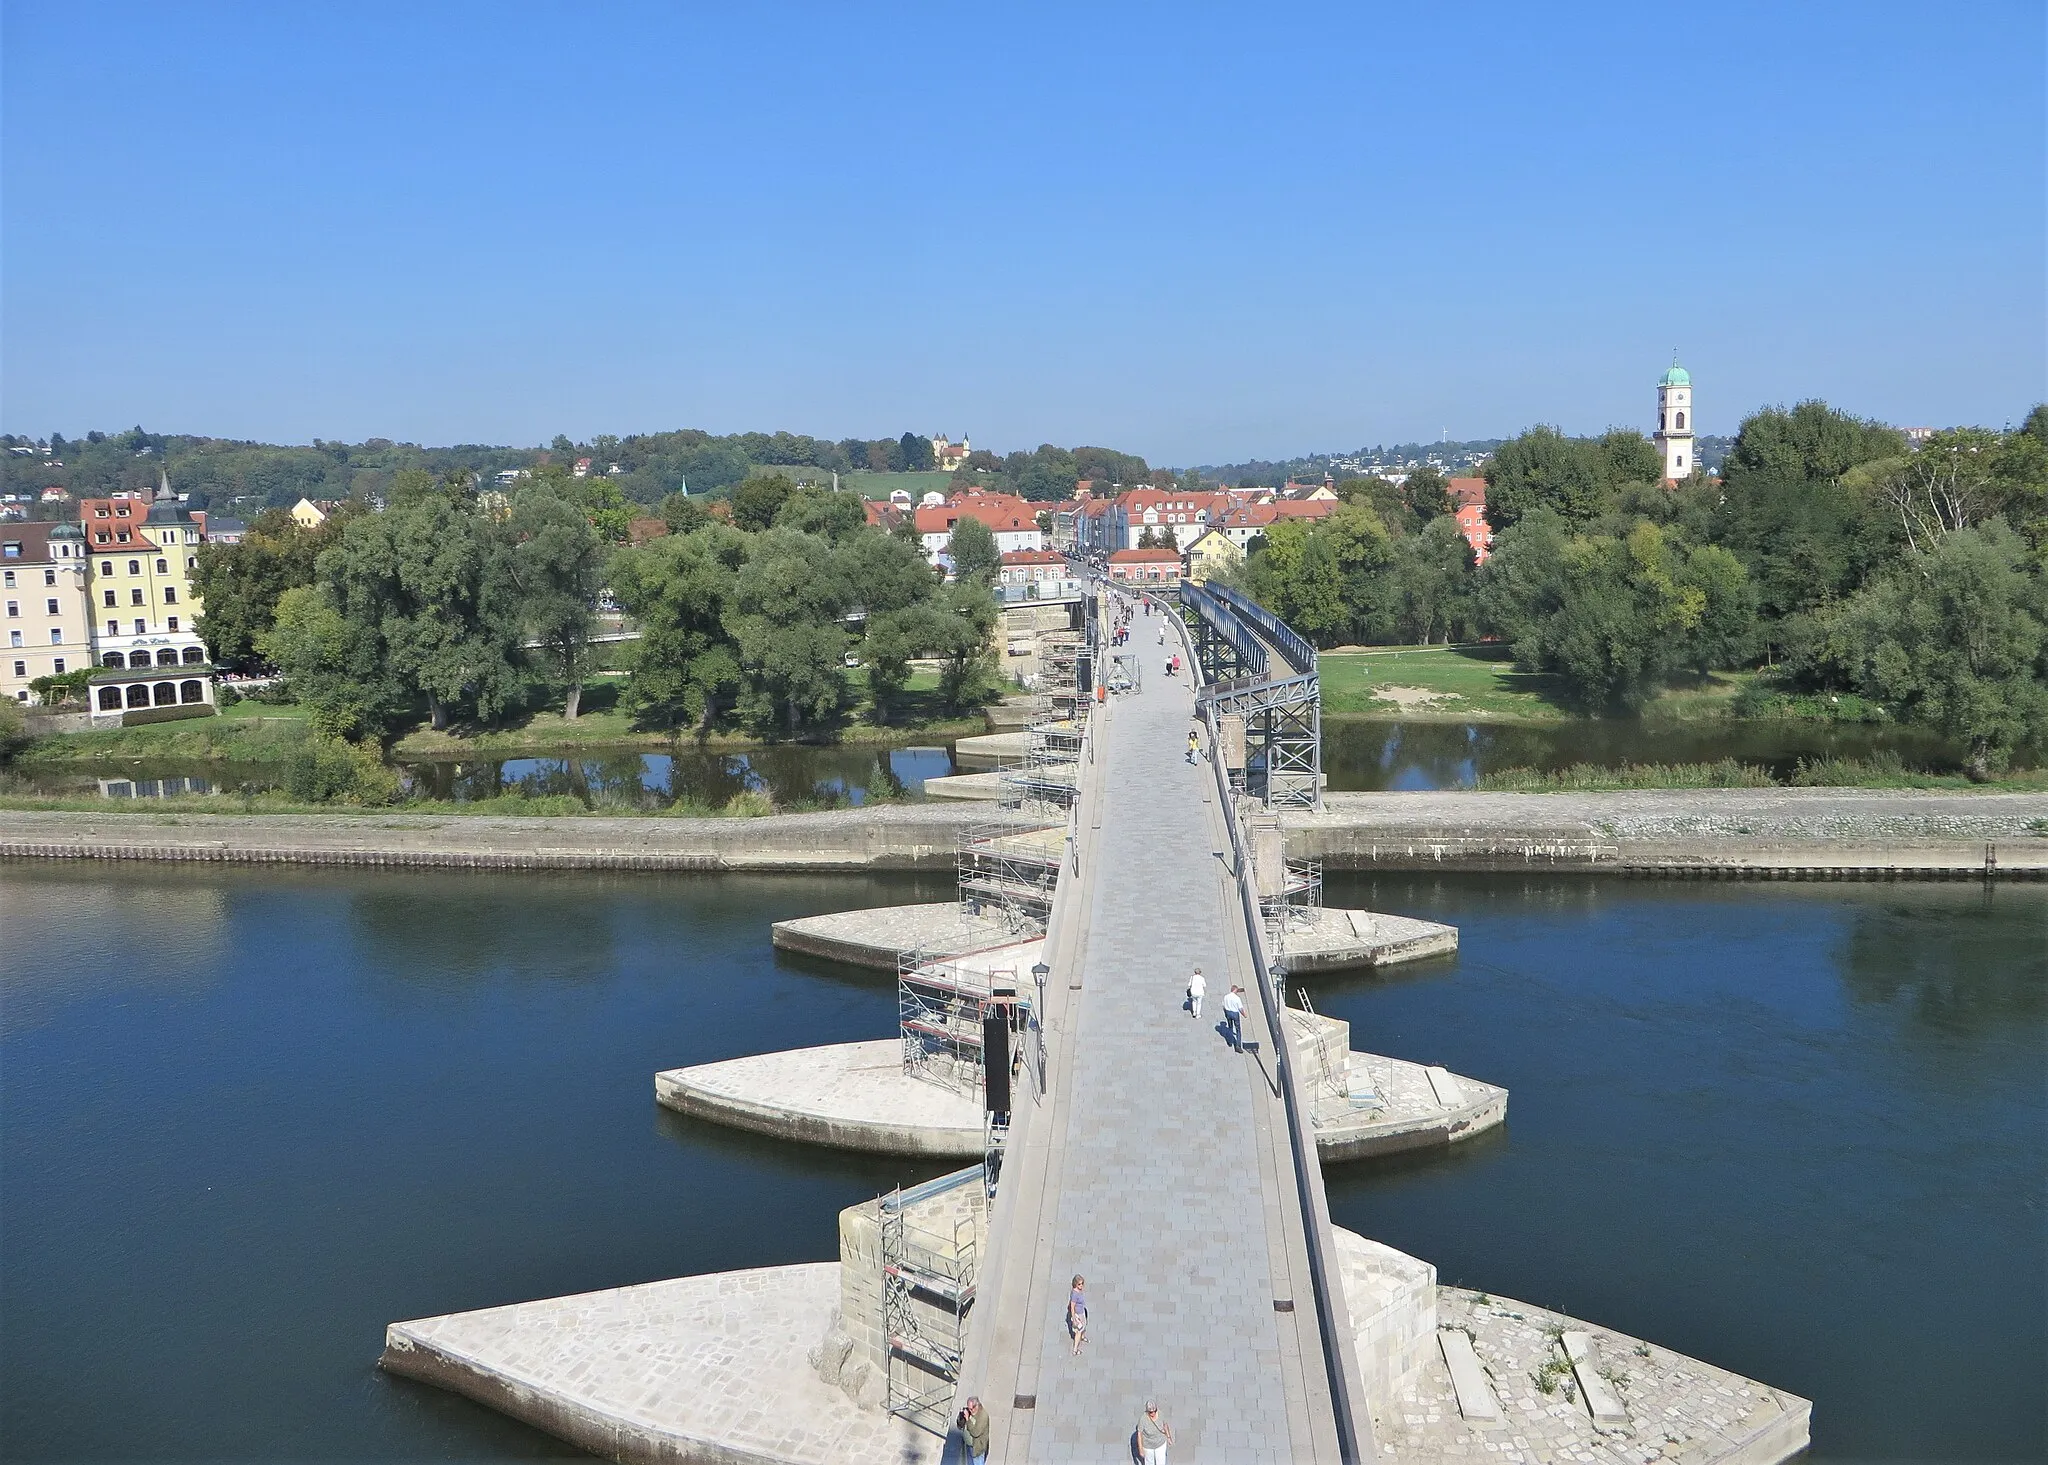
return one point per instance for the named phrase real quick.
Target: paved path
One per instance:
(1165, 1179)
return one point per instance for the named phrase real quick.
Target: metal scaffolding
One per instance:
(928, 1284)
(1012, 871)
(939, 1003)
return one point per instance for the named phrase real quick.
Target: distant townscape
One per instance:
(766, 568)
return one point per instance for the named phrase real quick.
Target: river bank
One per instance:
(1765, 832)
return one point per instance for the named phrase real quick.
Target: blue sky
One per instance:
(1201, 234)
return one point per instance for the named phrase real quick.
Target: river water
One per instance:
(1358, 754)
(251, 1116)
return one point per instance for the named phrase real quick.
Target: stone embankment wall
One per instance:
(1750, 833)
(887, 837)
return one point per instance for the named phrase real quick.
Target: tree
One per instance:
(784, 618)
(685, 669)
(1428, 494)
(555, 562)
(915, 453)
(683, 514)
(835, 515)
(756, 502)
(334, 666)
(1574, 477)
(894, 586)
(239, 584)
(1432, 584)
(427, 577)
(1614, 616)
(1955, 637)
(1319, 575)
(973, 549)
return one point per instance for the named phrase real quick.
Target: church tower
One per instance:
(1674, 422)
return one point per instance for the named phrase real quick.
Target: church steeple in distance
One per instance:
(1674, 422)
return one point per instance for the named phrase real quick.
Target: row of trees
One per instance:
(466, 609)
(1831, 551)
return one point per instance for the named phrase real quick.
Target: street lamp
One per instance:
(1039, 973)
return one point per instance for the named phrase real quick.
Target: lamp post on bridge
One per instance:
(1039, 973)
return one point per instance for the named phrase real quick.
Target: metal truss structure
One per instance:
(928, 1285)
(1259, 669)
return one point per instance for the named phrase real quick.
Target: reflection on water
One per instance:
(798, 777)
(791, 776)
(1370, 754)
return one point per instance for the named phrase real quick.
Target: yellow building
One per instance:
(47, 623)
(309, 515)
(1212, 554)
(143, 556)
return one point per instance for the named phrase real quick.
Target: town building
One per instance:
(142, 557)
(1243, 523)
(1170, 513)
(1035, 574)
(1013, 522)
(1145, 566)
(1213, 554)
(47, 621)
(1468, 502)
(308, 514)
(225, 531)
(1674, 423)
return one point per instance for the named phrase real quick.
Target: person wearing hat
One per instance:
(1154, 1435)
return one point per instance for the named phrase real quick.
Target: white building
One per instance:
(1674, 423)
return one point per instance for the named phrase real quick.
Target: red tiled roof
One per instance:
(1467, 491)
(1303, 508)
(1034, 557)
(1143, 556)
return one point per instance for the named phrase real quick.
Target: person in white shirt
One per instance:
(1197, 990)
(1233, 1016)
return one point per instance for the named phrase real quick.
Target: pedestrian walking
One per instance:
(1233, 1016)
(1154, 1435)
(974, 1428)
(1194, 745)
(1077, 1314)
(1198, 988)
(1162, 633)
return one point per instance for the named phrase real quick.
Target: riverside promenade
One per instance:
(1158, 1166)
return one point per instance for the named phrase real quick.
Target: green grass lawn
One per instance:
(248, 732)
(1439, 684)
(881, 485)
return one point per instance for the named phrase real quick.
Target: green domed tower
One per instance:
(1674, 422)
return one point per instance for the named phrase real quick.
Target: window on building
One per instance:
(167, 656)
(1681, 460)
(172, 623)
(13, 608)
(135, 567)
(56, 635)
(114, 629)
(21, 668)
(141, 626)
(135, 596)
(49, 577)
(113, 658)
(170, 595)
(195, 655)
(51, 607)
(1681, 422)
(8, 581)
(191, 561)
(57, 666)
(121, 536)
(108, 595)
(110, 699)
(163, 567)
(14, 638)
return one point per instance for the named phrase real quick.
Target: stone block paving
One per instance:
(1161, 1204)
(1678, 1408)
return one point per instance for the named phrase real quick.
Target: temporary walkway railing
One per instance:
(1263, 672)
